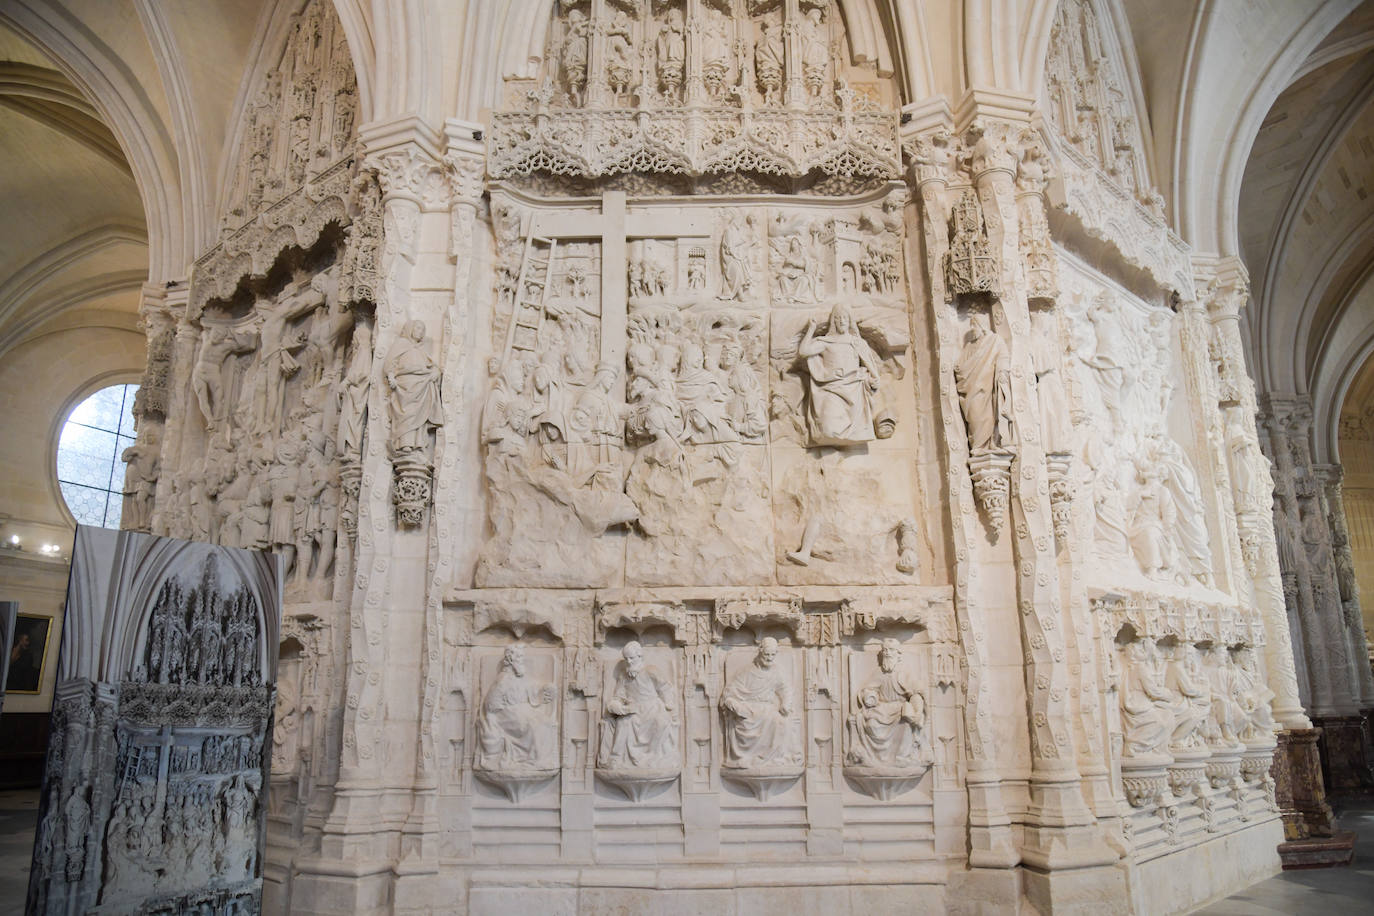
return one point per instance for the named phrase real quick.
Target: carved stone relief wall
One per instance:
(1192, 716)
(698, 88)
(661, 721)
(155, 789)
(278, 383)
(759, 401)
(698, 464)
(1134, 436)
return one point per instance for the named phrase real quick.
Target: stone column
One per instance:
(1225, 294)
(1281, 421)
(158, 406)
(1060, 831)
(457, 485)
(389, 644)
(933, 149)
(1299, 786)
(1351, 761)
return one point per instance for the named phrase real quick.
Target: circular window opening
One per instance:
(90, 469)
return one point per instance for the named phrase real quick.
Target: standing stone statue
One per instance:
(353, 393)
(983, 380)
(757, 708)
(768, 61)
(889, 716)
(736, 274)
(517, 728)
(640, 727)
(842, 373)
(413, 379)
(575, 56)
(218, 343)
(140, 482)
(671, 50)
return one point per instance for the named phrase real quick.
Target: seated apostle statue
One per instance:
(885, 729)
(756, 709)
(639, 730)
(517, 728)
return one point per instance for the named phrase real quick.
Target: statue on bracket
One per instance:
(517, 728)
(638, 744)
(982, 378)
(888, 750)
(763, 745)
(768, 62)
(413, 380)
(671, 50)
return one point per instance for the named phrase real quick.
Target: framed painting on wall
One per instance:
(28, 649)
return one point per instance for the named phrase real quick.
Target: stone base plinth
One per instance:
(1298, 786)
(1319, 852)
(1347, 758)
(1192, 876)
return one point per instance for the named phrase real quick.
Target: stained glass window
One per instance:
(89, 468)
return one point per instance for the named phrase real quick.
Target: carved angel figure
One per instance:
(842, 382)
(889, 717)
(756, 708)
(517, 728)
(640, 726)
(982, 376)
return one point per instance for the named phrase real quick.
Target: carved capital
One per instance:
(410, 173)
(466, 173)
(992, 147)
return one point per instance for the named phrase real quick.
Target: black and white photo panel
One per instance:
(155, 783)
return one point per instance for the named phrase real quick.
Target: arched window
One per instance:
(90, 470)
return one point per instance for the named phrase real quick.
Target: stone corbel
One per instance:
(878, 612)
(639, 616)
(754, 612)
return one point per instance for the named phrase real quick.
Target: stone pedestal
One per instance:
(1309, 827)
(1346, 754)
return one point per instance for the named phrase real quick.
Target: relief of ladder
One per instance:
(531, 294)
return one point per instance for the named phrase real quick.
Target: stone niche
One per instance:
(676, 726)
